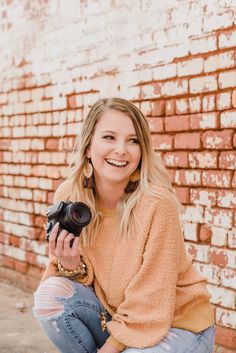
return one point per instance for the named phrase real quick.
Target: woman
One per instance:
(126, 284)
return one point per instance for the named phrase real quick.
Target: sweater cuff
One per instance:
(116, 344)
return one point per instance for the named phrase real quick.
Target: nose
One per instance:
(120, 148)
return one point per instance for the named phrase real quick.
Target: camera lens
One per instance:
(80, 213)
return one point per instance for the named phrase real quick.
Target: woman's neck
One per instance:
(108, 195)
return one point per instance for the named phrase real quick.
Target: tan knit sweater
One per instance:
(146, 282)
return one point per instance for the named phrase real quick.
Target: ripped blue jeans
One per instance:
(71, 316)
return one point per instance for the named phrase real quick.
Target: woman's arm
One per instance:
(146, 314)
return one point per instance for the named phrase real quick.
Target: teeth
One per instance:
(117, 163)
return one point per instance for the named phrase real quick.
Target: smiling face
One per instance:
(114, 150)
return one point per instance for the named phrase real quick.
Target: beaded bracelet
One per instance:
(78, 273)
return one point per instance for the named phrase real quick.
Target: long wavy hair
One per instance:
(153, 173)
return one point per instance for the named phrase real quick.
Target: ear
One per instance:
(88, 153)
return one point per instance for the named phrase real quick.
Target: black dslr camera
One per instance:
(72, 216)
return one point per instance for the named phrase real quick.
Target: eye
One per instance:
(108, 137)
(134, 140)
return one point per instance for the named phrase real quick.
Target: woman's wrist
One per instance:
(78, 273)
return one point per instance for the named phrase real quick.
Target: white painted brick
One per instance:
(14, 252)
(232, 238)
(174, 88)
(227, 79)
(208, 103)
(227, 199)
(226, 317)
(223, 218)
(164, 72)
(203, 84)
(195, 104)
(37, 144)
(220, 61)
(42, 260)
(227, 278)
(214, 22)
(190, 231)
(25, 194)
(219, 236)
(203, 44)
(228, 119)
(223, 100)
(190, 67)
(202, 160)
(201, 252)
(227, 40)
(211, 272)
(222, 296)
(193, 214)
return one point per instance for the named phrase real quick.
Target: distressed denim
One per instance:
(76, 326)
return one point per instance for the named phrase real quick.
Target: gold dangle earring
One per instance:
(88, 182)
(133, 181)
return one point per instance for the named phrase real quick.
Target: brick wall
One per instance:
(176, 60)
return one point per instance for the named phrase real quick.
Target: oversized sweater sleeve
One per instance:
(63, 193)
(146, 314)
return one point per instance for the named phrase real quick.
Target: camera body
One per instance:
(72, 216)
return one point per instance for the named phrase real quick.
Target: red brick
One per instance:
(15, 241)
(162, 142)
(218, 257)
(182, 194)
(158, 108)
(4, 144)
(177, 123)
(52, 144)
(227, 160)
(218, 139)
(176, 159)
(171, 173)
(187, 140)
(35, 272)
(225, 337)
(220, 179)
(8, 262)
(205, 233)
(156, 124)
(71, 102)
(234, 140)
(203, 159)
(21, 266)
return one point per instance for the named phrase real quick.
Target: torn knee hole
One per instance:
(47, 297)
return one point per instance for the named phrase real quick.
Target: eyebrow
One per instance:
(113, 132)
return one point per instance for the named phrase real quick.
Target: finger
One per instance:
(67, 243)
(52, 238)
(75, 247)
(60, 243)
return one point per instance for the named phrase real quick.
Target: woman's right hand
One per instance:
(59, 246)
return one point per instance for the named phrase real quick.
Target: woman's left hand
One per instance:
(107, 348)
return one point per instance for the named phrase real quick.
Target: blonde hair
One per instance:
(153, 173)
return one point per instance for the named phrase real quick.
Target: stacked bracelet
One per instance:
(79, 273)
